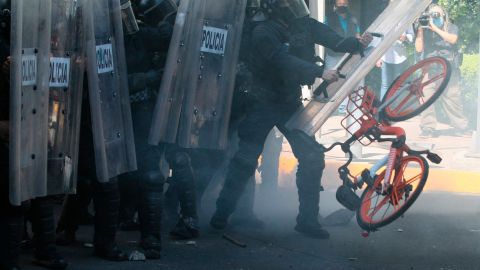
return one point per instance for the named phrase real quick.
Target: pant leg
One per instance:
(429, 117)
(106, 199)
(399, 69)
(129, 195)
(205, 165)
(75, 204)
(184, 181)
(385, 81)
(252, 132)
(311, 163)
(145, 184)
(452, 102)
(247, 200)
(43, 226)
(11, 223)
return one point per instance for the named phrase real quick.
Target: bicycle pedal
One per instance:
(434, 158)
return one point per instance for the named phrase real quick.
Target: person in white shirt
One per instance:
(394, 62)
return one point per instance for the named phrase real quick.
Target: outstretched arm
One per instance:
(269, 46)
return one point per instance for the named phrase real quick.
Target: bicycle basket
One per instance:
(360, 119)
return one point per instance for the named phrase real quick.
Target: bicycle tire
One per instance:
(372, 226)
(397, 83)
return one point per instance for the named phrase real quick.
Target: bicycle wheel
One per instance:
(416, 89)
(378, 209)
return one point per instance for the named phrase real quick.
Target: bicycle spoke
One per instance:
(378, 207)
(376, 202)
(369, 199)
(385, 213)
(432, 80)
(405, 183)
(421, 99)
(404, 101)
(428, 73)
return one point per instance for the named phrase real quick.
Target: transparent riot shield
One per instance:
(30, 48)
(388, 27)
(108, 89)
(193, 105)
(67, 64)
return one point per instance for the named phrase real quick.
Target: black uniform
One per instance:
(206, 163)
(11, 218)
(282, 59)
(144, 80)
(39, 210)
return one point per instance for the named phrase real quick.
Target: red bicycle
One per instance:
(395, 182)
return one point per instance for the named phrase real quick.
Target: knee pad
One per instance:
(152, 180)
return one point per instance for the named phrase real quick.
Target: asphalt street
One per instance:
(441, 231)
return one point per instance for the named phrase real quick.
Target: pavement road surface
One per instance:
(440, 231)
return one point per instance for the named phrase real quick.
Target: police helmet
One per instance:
(154, 11)
(286, 9)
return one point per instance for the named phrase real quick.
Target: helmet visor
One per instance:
(128, 17)
(154, 11)
(298, 8)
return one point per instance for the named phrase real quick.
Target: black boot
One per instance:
(307, 219)
(244, 215)
(186, 228)
(75, 212)
(312, 229)
(236, 180)
(69, 221)
(150, 213)
(308, 183)
(106, 201)
(43, 226)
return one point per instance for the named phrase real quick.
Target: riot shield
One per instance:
(389, 26)
(66, 88)
(30, 46)
(193, 105)
(108, 89)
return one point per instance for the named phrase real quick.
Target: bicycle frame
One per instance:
(397, 149)
(373, 127)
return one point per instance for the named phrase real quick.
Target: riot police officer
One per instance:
(282, 58)
(39, 210)
(144, 45)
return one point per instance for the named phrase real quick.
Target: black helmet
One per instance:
(286, 9)
(253, 6)
(154, 11)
